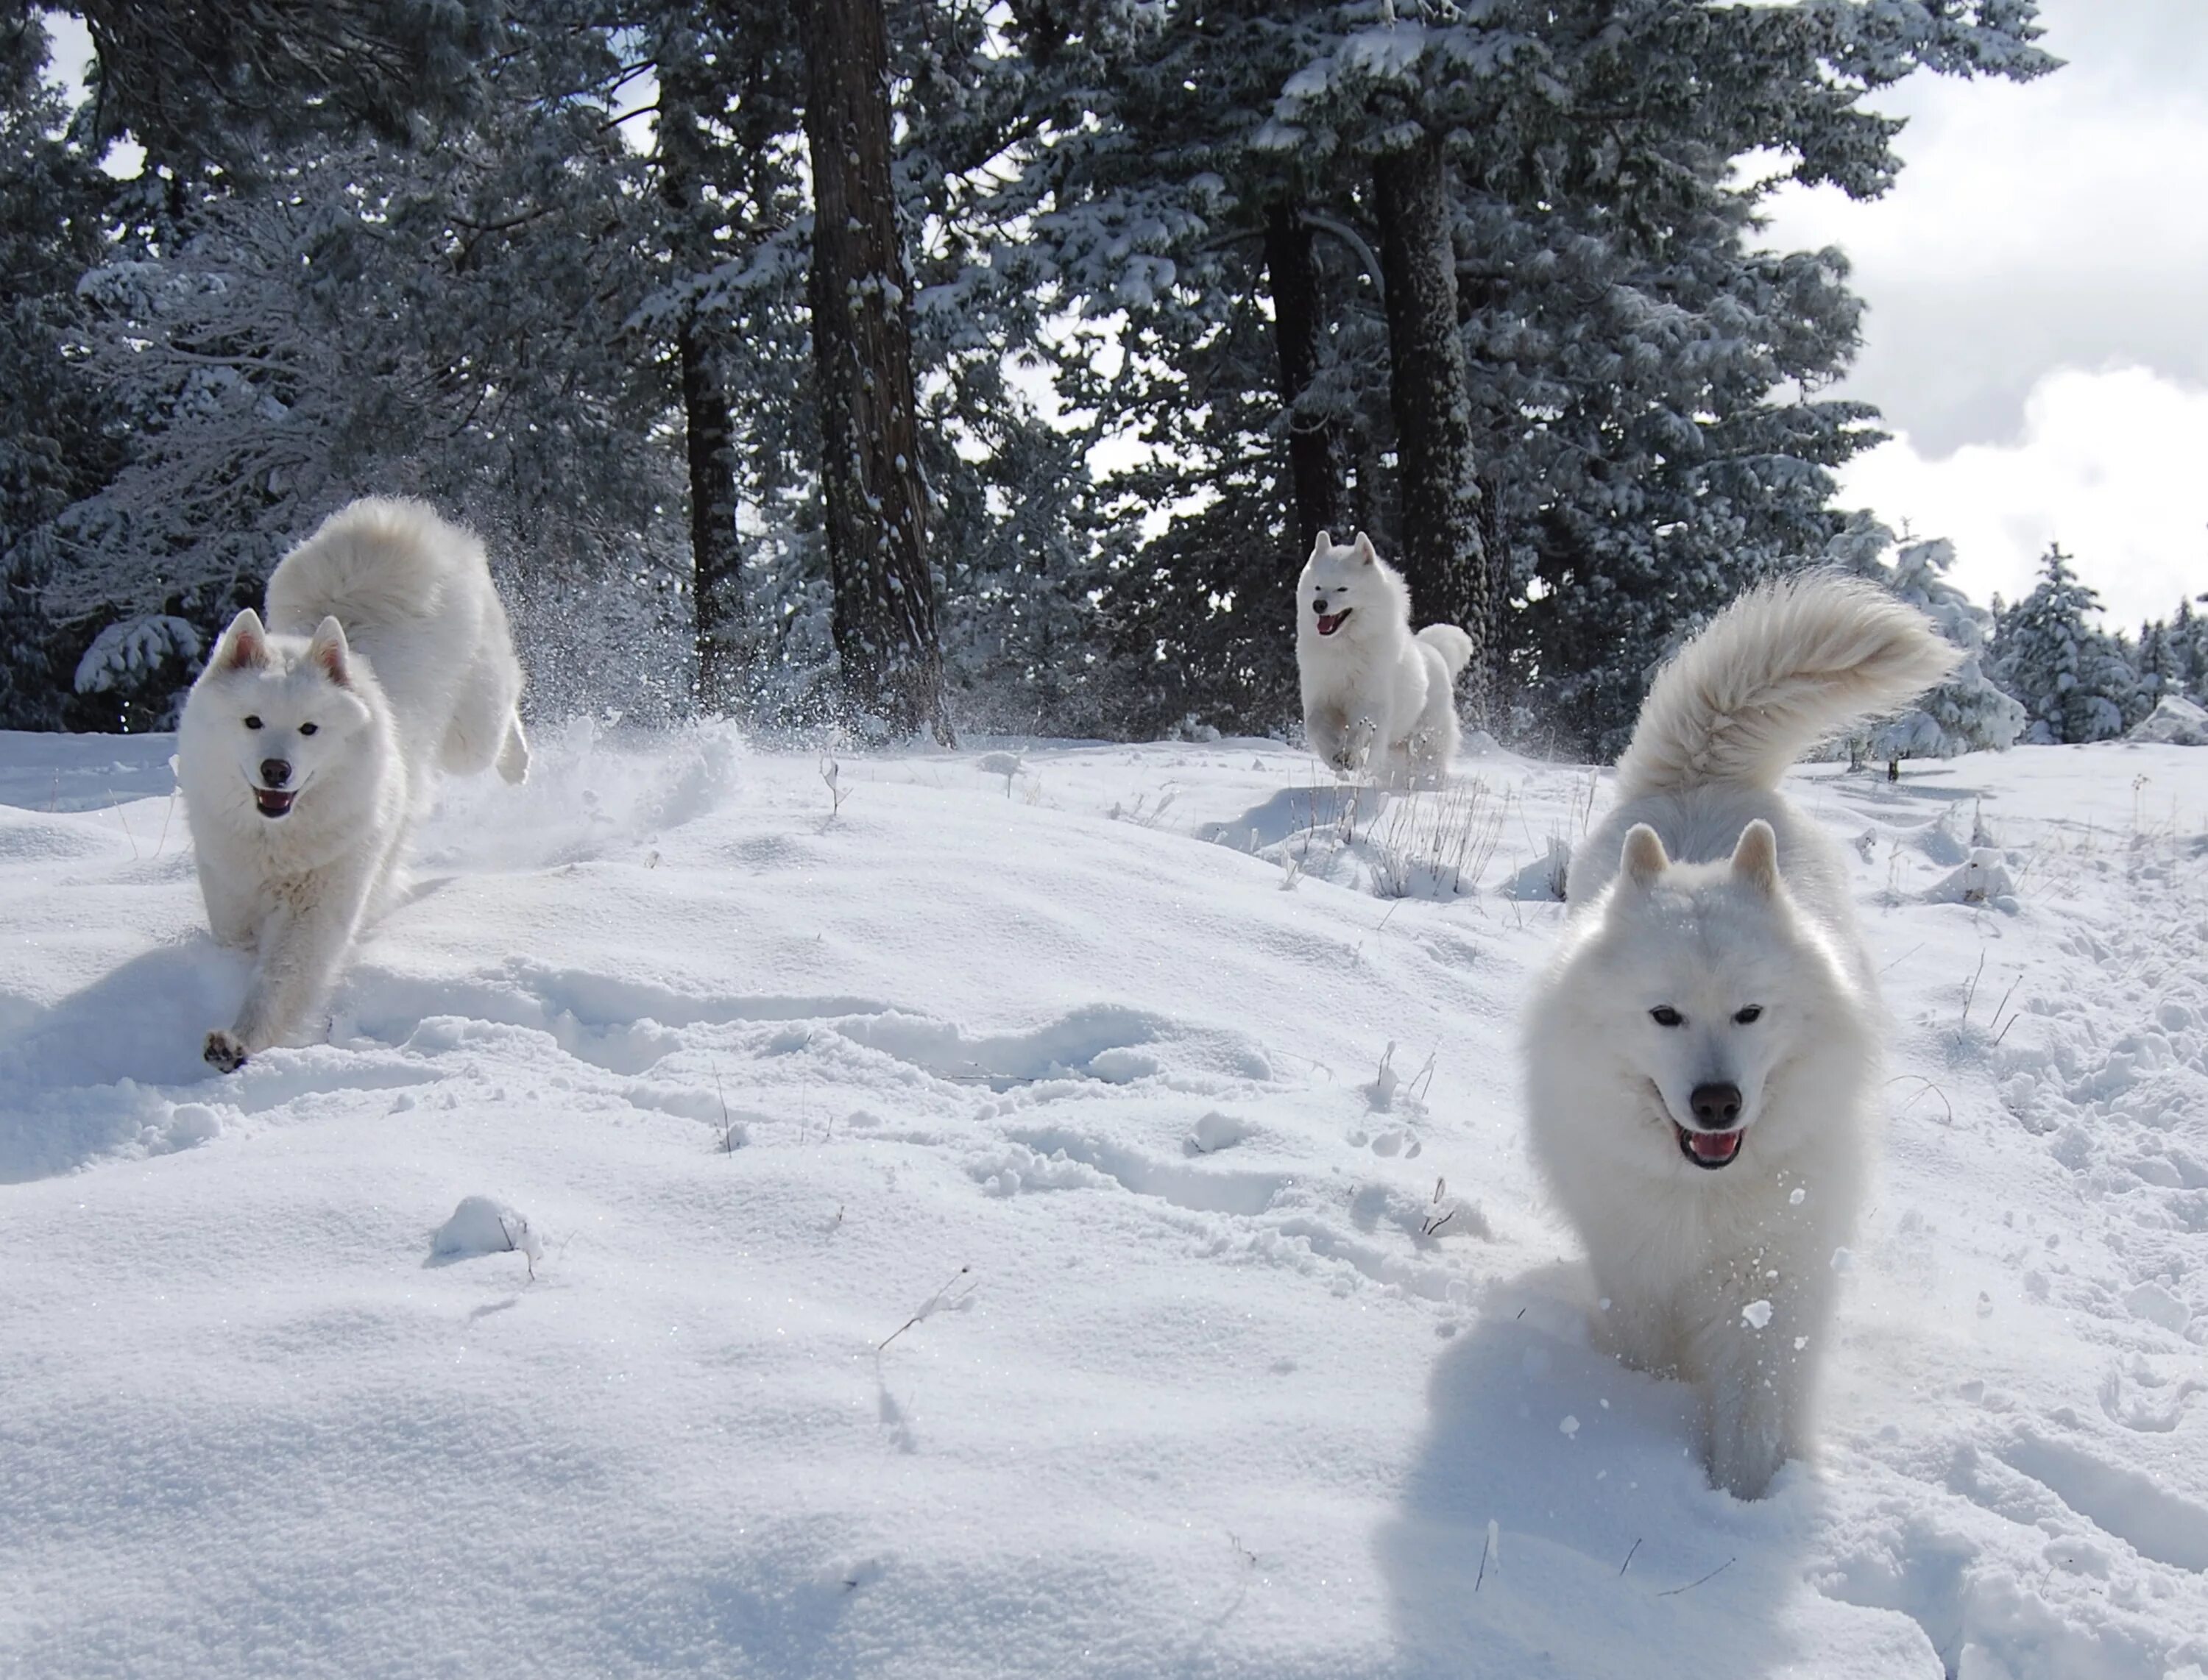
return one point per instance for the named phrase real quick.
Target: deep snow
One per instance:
(984, 1232)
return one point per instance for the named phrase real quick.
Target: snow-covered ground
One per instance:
(981, 1230)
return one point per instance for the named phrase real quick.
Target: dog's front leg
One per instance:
(1756, 1364)
(230, 904)
(303, 941)
(1355, 753)
(1636, 1328)
(1332, 736)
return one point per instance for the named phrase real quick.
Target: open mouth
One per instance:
(1708, 1151)
(273, 802)
(1330, 623)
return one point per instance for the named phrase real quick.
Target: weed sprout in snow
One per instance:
(1435, 843)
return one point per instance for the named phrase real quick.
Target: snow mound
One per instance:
(1215, 1131)
(1545, 879)
(2174, 722)
(1983, 878)
(481, 1225)
(1432, 844)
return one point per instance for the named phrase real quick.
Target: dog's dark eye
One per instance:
(308, 729)
(1748, 1017)
(253, 722)
(1665, 1016)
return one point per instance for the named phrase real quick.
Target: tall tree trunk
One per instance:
(885, 600)
(1443, 558)
(686, 89)
(716, 555)
(1317, 452)
(1502, 625)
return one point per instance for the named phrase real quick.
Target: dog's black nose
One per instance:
(1319, 605)
(1716, 1107)
(275, 772)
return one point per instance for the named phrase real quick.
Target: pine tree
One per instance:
(2069, 675)
(2157, 666)
(1665, 379)
(332, 319)
(1633, 370)
(383, 245)
(1018, 539)
(2189, 646)
(56, 443)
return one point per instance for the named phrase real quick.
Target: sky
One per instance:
(2037, 328)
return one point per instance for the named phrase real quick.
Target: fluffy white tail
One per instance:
(1451, 643)
(1782, 669)
(376, 561)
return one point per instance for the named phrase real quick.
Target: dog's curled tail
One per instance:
(1453, 645)
(1785, 666)
(378, 561)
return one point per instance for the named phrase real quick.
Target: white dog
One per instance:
(1374, 695)
(1702, 1054)
(309, 749)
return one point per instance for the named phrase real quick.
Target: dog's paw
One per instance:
(223, 1052)
(1743, 1459)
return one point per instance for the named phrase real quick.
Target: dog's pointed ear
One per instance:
(1324, 542)
(1645, 858)
(244, 645)
(1755, 857)
(1366, 553)
(328, 649)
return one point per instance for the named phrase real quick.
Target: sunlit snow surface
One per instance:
(974, 1234)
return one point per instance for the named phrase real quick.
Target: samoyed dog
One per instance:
(1702, 1054)
(309, 746)
(1376, 697)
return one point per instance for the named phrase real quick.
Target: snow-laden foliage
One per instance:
(469, 252)
(217, 82)
(56, 443)
(377, 325)
(2157, 664)
(444, 322)
(1641, 382)
(2188, 648)
(2074, 681)
(137, 653)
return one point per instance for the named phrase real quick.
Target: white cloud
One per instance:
(2035, 225)
(2112, 464)
(2033, 333)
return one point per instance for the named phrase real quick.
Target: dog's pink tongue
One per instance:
(1714, 1145)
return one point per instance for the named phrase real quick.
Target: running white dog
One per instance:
(309, 749)
(1702, 1054)
(1374, 695)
